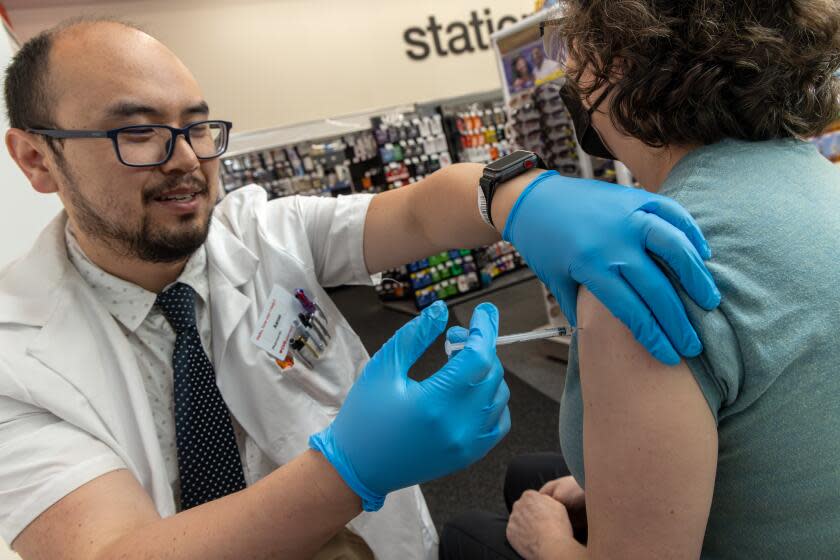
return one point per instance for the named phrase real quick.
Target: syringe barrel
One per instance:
(451, 347)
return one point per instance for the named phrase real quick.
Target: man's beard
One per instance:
(142, 243)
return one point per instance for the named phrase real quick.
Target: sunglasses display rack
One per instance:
(540, 123)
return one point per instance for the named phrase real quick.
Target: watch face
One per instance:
(509, 160)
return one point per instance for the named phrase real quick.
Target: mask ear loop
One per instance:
(591, 110)
(599, 101)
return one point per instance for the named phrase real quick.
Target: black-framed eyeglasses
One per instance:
(554, 44)
(150, 145)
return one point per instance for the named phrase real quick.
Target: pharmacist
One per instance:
(138, 417)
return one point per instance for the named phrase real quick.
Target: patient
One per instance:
(734, 454)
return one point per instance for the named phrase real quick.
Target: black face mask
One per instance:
(587, 136)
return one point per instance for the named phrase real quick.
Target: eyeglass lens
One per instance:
(150, 145)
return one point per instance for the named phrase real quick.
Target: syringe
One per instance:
(451, 347)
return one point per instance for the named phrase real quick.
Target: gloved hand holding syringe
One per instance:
(452, 347)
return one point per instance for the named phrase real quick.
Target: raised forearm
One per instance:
(289, 514)
(438, 213)
(445, 205)
(445, 208)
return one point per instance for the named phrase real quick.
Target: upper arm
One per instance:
(650, 445)
(393, 235)
(85, 522)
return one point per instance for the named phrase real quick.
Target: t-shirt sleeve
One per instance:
(43, 459)
(719, 369)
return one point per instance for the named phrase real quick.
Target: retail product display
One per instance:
(449, 274)
(439, 277)
(411, 146)
(541, 124)
(340, 165)
(478, 131)
(498, 259)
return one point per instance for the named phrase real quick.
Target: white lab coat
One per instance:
(73, 404)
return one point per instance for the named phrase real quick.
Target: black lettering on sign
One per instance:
(459, 42)
(435, 28)
(456, 37)
(476, 22)
(414, 37)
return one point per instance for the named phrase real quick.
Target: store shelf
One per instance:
(500, 283)
(246, 142)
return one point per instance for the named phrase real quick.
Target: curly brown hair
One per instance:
(688, 72)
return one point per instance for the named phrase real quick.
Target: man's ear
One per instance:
(29, 152)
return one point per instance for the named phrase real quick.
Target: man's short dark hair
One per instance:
(699, 71)
(27, 88)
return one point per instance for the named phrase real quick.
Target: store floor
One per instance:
(535, 382)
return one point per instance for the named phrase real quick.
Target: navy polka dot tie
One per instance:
(208, 458)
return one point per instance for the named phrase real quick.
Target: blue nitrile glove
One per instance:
(393, 432)
(574, 231)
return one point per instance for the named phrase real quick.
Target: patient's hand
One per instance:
(565, 490)
(568, 492)
(539, 527)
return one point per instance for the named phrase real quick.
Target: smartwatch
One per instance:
(501, 171)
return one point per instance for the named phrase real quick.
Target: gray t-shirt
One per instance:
(770, 370)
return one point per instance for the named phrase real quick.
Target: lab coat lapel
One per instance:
(28, 285)
(82, 343)
(274, 412)
(230, 265)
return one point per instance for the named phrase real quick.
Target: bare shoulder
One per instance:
(603, 337)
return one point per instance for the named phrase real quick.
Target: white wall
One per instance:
(17, 228)
(23, 212)
(269, 63)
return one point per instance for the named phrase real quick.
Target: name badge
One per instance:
(277, 324)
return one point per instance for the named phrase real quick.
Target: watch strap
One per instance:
(483, 209)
